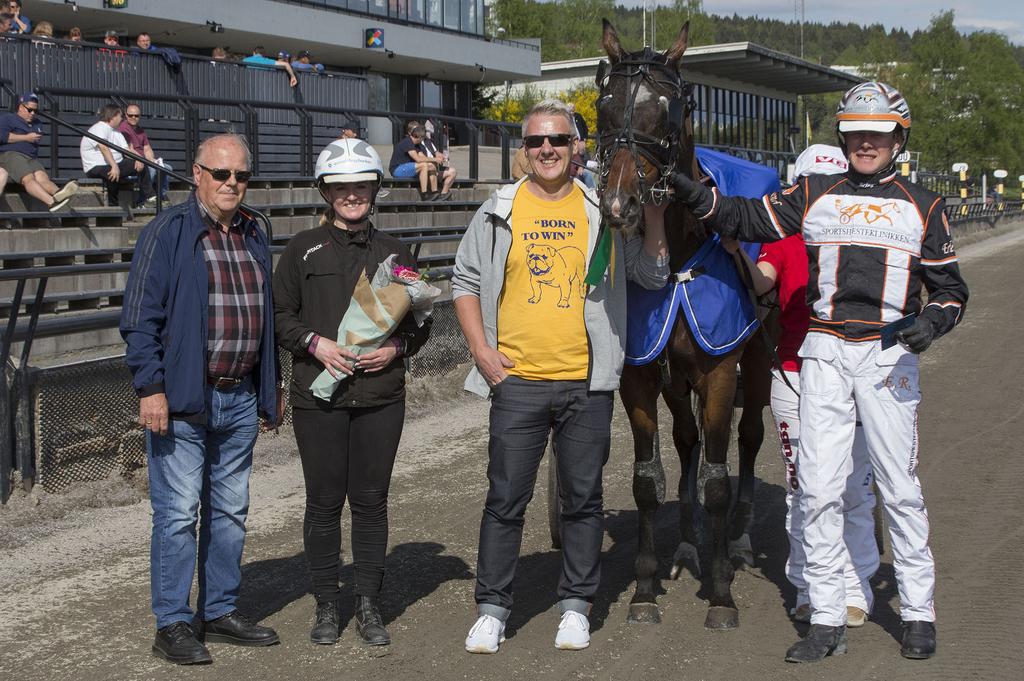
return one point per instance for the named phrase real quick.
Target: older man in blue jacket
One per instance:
(198, 321)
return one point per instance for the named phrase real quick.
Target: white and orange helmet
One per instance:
(873, 107)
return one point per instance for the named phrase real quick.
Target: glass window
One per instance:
(468, 16)
(479, 16)
(336, 3)
(451, 13)
(430, 96)
(434, 12)
(416, 11)
(398, 9)
(379, 7)
(355, 5)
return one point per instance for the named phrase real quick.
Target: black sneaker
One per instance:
(235, 629)
(918, 640)
(177, 643)
(428, 196)
(820, 642)
(326, 624)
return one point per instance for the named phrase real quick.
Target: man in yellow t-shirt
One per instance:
(548, 350)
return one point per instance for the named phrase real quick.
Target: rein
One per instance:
(661, 152)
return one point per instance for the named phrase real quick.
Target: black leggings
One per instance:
(347, 453)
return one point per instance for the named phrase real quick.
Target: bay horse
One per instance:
(645, 133)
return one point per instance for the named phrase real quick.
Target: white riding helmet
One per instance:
(348, 160)
(820, 159)
(873, 107)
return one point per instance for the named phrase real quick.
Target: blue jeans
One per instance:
(523, 413)
(405, 171)
(202, 470)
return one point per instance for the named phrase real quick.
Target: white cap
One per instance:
(820, 159)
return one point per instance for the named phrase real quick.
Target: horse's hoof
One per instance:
(721, 617)
(686, 557)
(741, 552)
(644, 613)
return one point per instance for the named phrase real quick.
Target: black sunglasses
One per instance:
(133, 115)
(537, 141)
(222, 174)
(31, 109)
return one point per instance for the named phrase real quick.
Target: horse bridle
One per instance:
(661, 152)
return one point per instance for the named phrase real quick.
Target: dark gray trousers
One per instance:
(523, 414)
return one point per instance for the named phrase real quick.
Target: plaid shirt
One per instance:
(236, 300)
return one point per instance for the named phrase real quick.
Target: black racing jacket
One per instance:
(872, 244)
(313, 285)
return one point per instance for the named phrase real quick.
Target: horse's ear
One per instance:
(675, 53)
(610, 42)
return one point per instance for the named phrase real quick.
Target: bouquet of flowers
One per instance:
(376, 308)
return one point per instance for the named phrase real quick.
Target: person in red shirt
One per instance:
(783, 265)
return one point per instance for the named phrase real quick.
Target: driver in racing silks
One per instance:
(873, 240)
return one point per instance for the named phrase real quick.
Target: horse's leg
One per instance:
(639, 390)
(686, 438)
(718, 390)
(757, 386)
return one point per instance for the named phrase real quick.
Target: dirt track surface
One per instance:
(74, 602)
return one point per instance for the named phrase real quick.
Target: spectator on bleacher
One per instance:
(444, 168)
(520, 164)
(75, 34)
(5, 22)
(19, 22)
(106, 162)
(219, 53)
(257, 61)
(133, 131)
(349, 130)
(198, 321)
(409, 159)
(110, 39)
(302, 63)
(44, 29)
(19, 155)
(144, 42)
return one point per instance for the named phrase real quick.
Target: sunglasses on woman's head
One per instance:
(222, 174)
(537, 141)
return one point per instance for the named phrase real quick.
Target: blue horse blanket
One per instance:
(715, 302)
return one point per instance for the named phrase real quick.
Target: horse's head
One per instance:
(643, 126)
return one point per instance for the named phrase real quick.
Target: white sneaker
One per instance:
(573, 631)
(485, 635)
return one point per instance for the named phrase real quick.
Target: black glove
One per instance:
(695, 195)
(918, 337)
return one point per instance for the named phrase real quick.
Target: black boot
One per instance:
(369, 623)
(918, 640)
(820, 642)
(325, 628)
(177, 643)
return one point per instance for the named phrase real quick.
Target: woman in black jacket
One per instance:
(348, 444)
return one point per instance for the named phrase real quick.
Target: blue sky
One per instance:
(971, 15)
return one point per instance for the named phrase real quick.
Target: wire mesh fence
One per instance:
(85, 414)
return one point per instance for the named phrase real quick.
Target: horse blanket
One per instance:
(708, 288)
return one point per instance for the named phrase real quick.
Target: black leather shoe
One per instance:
(820, 642)
(235, 629)
(918, 640)
(369, 623)
(325, 626)
(177, 643)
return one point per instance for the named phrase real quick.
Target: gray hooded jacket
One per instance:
(480, 271)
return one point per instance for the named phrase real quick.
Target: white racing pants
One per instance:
(860, 559)
(840, 380)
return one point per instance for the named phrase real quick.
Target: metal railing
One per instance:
(31, 62)
(195, 110)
